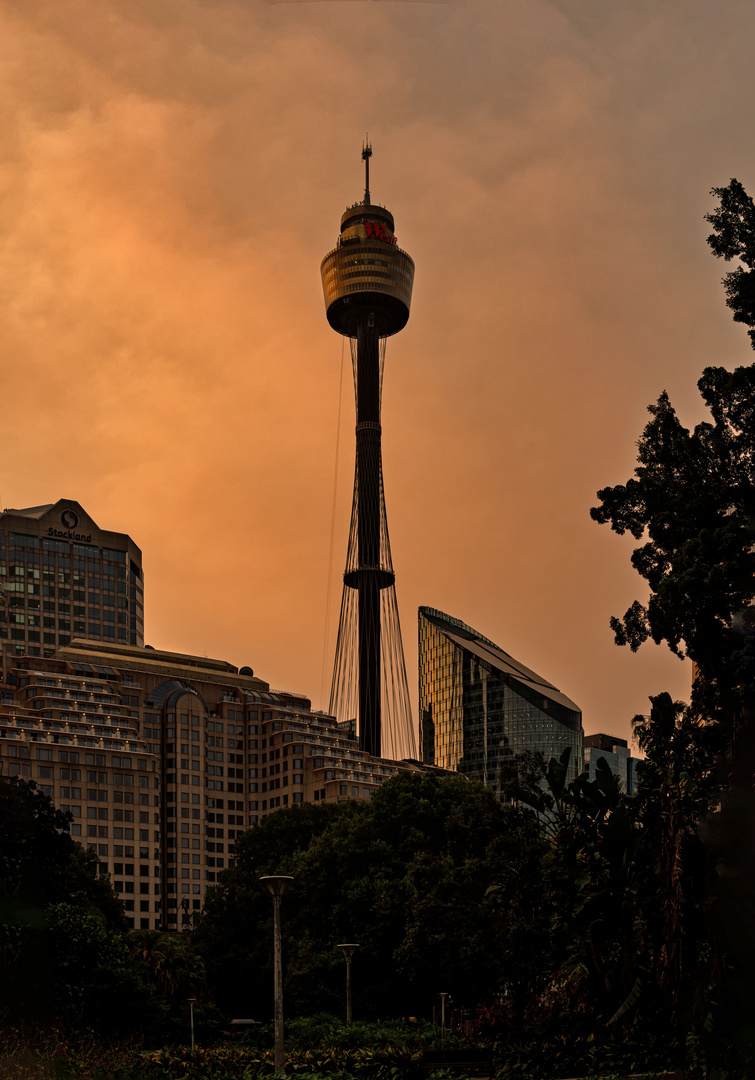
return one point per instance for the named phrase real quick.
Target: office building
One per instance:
(61, 576)
(163, 759)
(479, 707)
(615, 752)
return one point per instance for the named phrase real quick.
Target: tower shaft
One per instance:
(368, 471)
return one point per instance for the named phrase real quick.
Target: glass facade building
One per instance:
(62, 577)
(479, 707)
(617, 756)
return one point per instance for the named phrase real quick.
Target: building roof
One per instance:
(490, 653)
(54, 515)
(604, 742)
(30, 511)
(144, 658)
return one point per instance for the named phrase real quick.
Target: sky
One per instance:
(171, 176)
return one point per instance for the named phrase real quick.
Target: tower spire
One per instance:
(366, 155)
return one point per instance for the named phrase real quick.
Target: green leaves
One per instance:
(404, 875)
(733, 237)
(39, 862)
(693, 500)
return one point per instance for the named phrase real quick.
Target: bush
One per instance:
(327, 1031)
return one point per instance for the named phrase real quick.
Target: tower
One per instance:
(367, 282)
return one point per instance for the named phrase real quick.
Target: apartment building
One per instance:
(164, 759)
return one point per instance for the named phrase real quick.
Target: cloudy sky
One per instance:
(171, 175)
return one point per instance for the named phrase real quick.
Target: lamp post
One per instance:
(348, 951)
(276, 884)
(443, 1016)
(192, 1003)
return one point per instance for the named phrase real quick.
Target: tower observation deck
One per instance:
(367, 283)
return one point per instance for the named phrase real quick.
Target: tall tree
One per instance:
(172, 967)
(691, 499)
(61, 950)
(677, 791)
(40, 864)
(404, 875)
(733, 237)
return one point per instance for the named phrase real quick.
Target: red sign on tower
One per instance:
(377, 229)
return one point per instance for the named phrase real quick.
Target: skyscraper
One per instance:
(479, 707)
(61, 576)
(367, 282)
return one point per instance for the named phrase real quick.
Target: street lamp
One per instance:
(443, 1016)
(348, 952)
(192, 1003)
(276, 884)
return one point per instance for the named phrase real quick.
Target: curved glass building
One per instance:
(479, 707)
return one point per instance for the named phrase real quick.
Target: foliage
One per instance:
(404, 875)
(172, 967)
(61, 950)
(74, 969)
(219, 1063)
(324, 1031)
(554, 913)
(84, 1057)
(692, 496)
(44, 1053)
(692, 502)
(733, 237)
(40, 864)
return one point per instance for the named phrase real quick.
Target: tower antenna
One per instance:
(366, 155)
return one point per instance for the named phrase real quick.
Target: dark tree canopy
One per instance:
(62, 954)
(691, 499)
(405, 875)
(734, 238)
(40, 864)
(691, 502)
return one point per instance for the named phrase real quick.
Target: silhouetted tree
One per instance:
(733, 237)
(40, 864)
(62, 954)
(405, 875)
(692, 502)
(173, 968)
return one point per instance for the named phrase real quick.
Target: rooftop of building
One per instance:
(30, 511)
(601, 741)
(160, 662)
(66, 519)
(490, 653)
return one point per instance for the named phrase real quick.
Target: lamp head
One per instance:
(276, 884)
(348, 950)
